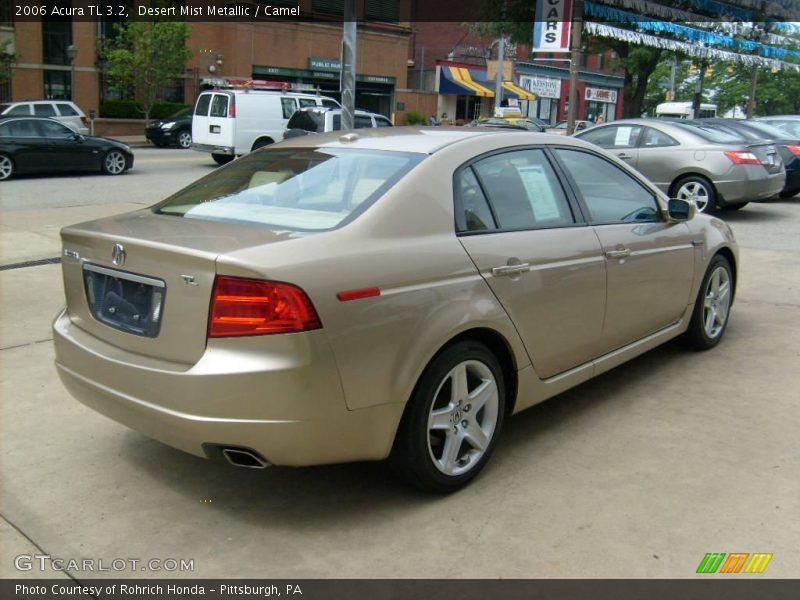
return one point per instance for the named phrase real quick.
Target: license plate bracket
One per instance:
(126, 301)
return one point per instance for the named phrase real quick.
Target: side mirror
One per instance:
(680, 210)
(76, 137)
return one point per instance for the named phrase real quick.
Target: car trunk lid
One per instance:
(143, 281)
(767, 153)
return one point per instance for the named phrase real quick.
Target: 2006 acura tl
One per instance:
(392, 293)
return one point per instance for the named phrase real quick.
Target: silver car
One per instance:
(714, 168)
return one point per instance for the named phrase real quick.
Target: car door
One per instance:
(29, 149)
(541, 261)
(620, 140)
(660, 157)
(649, 261)
(67, 150)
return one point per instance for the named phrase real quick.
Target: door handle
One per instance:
(619, 253)
(508, 270)
(625, 155)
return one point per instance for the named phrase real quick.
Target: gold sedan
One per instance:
(388, 293)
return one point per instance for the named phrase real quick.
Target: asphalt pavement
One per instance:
(637, 473)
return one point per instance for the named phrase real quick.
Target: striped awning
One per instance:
(516, 91)
(460, 80)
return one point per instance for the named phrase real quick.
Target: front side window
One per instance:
(53, 130)
(523, 190)
(219, 106)
(288, 105)
(614, 136)
(610, 194)
(294, 188)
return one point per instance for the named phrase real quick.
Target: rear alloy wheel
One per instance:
(6, 167)
(453, 421)
(698, 190)
(114, 163)
(222, 159)
(185, 140)
(712, 307)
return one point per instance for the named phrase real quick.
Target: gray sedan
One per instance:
(713, 168)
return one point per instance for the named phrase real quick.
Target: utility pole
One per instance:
(577, 28)
(672, 74)
(498, 78)
(698, 90)
(349, 65)
(751, 103)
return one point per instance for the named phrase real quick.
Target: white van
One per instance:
(683, 110)
(229, 123)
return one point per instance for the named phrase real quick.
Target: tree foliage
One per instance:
(146, 57)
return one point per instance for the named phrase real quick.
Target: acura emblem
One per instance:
(118, 255)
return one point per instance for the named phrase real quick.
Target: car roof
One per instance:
(325, 109)
(4, 118)
(425, 140)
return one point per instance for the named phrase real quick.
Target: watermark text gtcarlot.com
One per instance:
(46, 562)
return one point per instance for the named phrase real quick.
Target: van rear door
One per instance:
(213, 123)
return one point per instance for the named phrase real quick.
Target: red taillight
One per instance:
(85, 121)
(743, 158)
(242, 306)
(794, 150)
(232, 107)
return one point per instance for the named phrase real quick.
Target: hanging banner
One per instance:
(552, 27)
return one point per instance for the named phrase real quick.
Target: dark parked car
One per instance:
(41, 145)
(787, 144)
(172, 131)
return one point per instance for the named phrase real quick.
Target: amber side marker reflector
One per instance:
(358, 294)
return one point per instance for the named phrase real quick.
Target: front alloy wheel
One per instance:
(453, 419)
(6, 167)
(114, 163)
(712, 307)
(185, 140)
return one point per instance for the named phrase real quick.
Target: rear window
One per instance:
(66, 110)
(712, 134)
(219, 106)
(768, 130)
(203, 102)
(296, 189)
(307, 120)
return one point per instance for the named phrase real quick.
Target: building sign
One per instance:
(324, 64)
(552, 27)
(543, 87)
(601, 95)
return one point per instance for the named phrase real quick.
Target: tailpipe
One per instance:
(242, 457)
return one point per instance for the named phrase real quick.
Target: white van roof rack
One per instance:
(243, 83)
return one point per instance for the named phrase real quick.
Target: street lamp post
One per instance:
(72, 53)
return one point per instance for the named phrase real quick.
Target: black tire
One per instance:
(114, 162)
(260, 143)
(184, 139)
(735, 206)
(698, 180)
(6, 167)
(789, 193)
(413, 456)
(697, 336)
(222, 159)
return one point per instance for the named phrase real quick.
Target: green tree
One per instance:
(639, 63)
(147, 56)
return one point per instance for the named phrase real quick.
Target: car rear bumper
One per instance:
(287, 407)
(224, 150)
(750, 187)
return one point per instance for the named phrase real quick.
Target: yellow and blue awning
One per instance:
(461, 80)
(515, 91)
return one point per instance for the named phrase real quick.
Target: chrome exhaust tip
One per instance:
(246, 459)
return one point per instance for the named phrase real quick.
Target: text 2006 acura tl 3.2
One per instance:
(392, 293)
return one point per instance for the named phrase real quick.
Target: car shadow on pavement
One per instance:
(748, 215)
(337, 495)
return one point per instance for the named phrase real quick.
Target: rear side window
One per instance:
(306, 102)
(656, 139)
(44, 110)
(293, 188)
(21, 128)
(610, 194)
(307, 121)
(289, 105)
(203, 102)
(66, 110)
(381, 122)
(362, 122)
(53, 130)
(219, 106)
(616, 136)
(473, 213)
(19, 110)
(523, 190)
